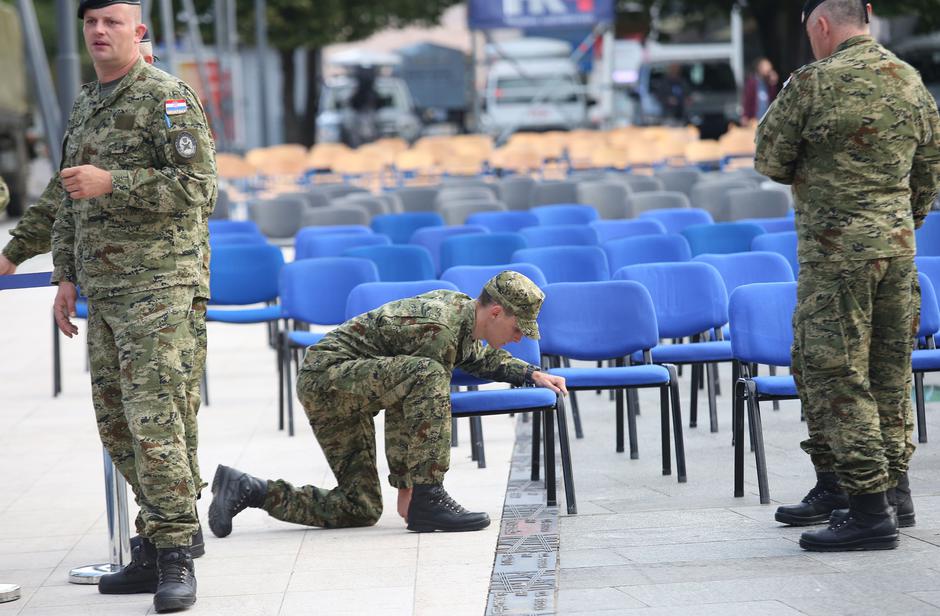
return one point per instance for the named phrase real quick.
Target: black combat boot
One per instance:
(871, 524)
(815, 508)
(197, 545)
(140, 575)
(432, 509)
(232, 492)
(177, 585)
(900, 498)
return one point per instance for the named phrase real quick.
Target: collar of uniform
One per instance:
(126, 79)
(855, 40)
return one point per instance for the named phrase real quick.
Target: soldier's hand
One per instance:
(7, 267)
(86, 181)
(555, 383)
(64, 307)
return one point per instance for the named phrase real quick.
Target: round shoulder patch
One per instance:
(185, 144)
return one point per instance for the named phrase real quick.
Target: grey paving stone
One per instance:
(749, 608)
(594, 600)
(591, 557)
(930, 596)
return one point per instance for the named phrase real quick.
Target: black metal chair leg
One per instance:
(664, 429)
(473, 440)
(576, 416)
(548, 417)
(753, 416)
(634, 397)
(288, 390)
(536, 440)
(737, 420)
(678, 439)
(453, 432)
(566, 470)
(693, 397)
(772, 370)
(920, 402)
(711, 371)
(281, 399)
(477, 425)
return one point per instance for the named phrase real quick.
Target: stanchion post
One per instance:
(115, 488)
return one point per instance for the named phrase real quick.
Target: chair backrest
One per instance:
(565, 214)
(667, 248)
(500, 222)
(220, 227)
(658, 200)
(749, 267)
(331, 230)
(432, 238)
(721, 238)
(315, 290)
(526, 349)
(690, 298)
(470, 279)
(416, 198)
(312, 197)
(345, 214)
(597, 320)
(370, 295)
(278, 218)
(757, 203)
(773, 225)
(929, 323)
(559, 235)
(236, 238)
(930, 266)
(549, 193)
(338, 191)
(761, 321)
(610, 199)
(637, 183)
(372, 204)
(480, 249)
(400, 227)
(679, 180)
(614, 229)
(313, 246)
(516, 192)
(457, 212)
(397, 262)
(241, 274)
(677, 219)
(782, 244)
(567, 263)
(454, 194)
(928, 236)
(712, 195)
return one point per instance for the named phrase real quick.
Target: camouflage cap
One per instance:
(84, 5)
(519, 295)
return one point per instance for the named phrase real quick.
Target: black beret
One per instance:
(146, 37)
(100, 4)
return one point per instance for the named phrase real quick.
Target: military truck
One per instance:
(14, 109)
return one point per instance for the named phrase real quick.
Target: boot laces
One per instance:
(442, 498)
(818, 492)
(174, 570)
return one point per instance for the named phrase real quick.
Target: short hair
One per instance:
(486, 300)
(845, 12)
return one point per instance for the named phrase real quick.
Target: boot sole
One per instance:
(430, 528)
(792, 520)
(906, 521)
(173, 604)
(888, 542)
(217, 484)
(130, 590)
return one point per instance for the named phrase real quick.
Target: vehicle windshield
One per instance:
(701, 76)
(336, 97)
(548, 88)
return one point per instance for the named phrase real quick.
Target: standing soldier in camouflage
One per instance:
(139, 172)
(398, 357)
(857, 135)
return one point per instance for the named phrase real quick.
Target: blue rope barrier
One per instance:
(25, 281)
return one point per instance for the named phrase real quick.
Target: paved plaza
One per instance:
(641, 543)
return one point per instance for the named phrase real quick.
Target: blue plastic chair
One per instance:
(928, 236)
(608, 230)
(567, 263)
(480, 249)
(585, 321)
(761, 333)
(646, 249)
(371, 295)
(721, 238)
(242, 275)
(313, 292)
(221, 227)
(784, 244)
(397, 262)
(503, 222)
(743, 268)
(926, 359)
(773, 225)
(227, 239)
(691, 302)
(328, 245)
(400, 227)
(332, 230)
(677, 219)
(432, 238)
(559, 235)
(471, 278)
(565, 214)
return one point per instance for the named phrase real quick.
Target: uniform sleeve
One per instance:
(780, 132)
(186, 177)
(925, 171)
(32, 235)
(497, 365)
(63, 242)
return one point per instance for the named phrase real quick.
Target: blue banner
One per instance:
(25, 281)
(487, 14)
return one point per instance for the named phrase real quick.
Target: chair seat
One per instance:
(501, 400)
(775, 386)
(926, 360)
(465, 379)
(304, 339)
(716, 350)
(627, 376)
(249, 315)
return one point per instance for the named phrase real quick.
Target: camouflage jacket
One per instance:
(151, 231)
(858, 136)
(32, 235)
(436, 325)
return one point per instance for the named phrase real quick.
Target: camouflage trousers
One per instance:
(341, 401)
(853, 331)
(142, 349)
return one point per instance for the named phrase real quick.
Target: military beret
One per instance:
(146, 37)
(520, 296)
(811, 6)
(100, 4)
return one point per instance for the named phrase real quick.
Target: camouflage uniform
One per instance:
(398, 357)
(32, 235)
(858, 136)
(138, 255)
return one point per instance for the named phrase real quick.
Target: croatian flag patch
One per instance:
(175, 107)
